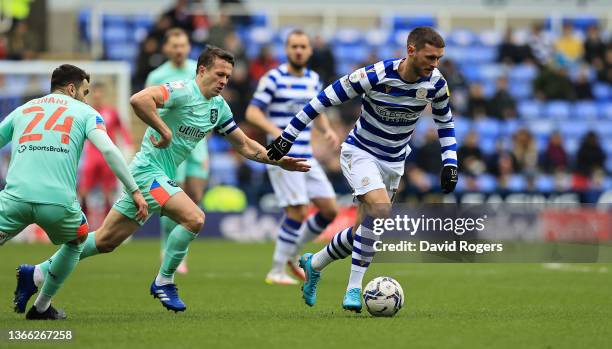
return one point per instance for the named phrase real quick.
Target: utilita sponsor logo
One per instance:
(190, 132)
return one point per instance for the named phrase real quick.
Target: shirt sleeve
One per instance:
(226, 123)
(443, 118)
(176, 93)
(346, 88)
(265, 91)
(6, 129)
(94, 121)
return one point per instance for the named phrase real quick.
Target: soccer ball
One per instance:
(383, 296)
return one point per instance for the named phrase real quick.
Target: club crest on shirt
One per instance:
(214, 114)
(356, 75)
(421, 93)
(177, 84)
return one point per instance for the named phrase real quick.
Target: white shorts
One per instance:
(298, 188)
(365, 172)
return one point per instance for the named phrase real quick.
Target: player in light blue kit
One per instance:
(394, 93)
(192, 174)
(188, 110)
(47, 136)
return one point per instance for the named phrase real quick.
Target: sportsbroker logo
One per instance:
(46, 148)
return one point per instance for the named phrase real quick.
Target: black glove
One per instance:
(279, 148)
(448, 179)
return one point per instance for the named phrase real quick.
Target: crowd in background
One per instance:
(567, 65)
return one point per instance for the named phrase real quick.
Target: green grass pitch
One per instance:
(229, 306)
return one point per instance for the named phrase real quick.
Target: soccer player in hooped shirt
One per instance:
(191, 109)
(192, 174)
(47, 136)
(394, 93)
(281, 93)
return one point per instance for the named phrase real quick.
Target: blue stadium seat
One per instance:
(557, 110)
(461, 37)
(490, 38)
(603, 129)
(259, 19)
(510, 127)
(521, 90)
(585, 110)
(122, 51)
(487, 144)
(529, 109)
(522, 73)
(462, 126)
(377, 38)
(84, 25)
(487, 183)
(545, 183)
(116, 34)
(574, 129)
(348, 36)
(408, 23)
(115, 20)
(540, 127)
(483, 54)
(571, 144)
(517, 182)
(601, 91)
(487, 127)
(605, 110)
(260, 36)
(582, 23)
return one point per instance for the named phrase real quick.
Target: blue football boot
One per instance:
(25, 287)
(309, 289)
(168, 296)
(352, 300)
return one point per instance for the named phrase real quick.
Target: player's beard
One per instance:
(295, 65)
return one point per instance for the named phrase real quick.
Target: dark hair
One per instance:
(67, 74)
(207, 58)
(172, 32)
(420, 36)
(294, 32)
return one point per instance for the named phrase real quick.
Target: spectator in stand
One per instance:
(554, 158)
(524, 152)
(594, 47)
(148, 59)
(237, 92)
(501, 164)
(590, 157)
(582, 86)
(427, 155)
(502, 105)
(23, 44)
(541, 44)
(471, 159)
(322, 61)
(477, 103)
(512, 52)
(456, 84)
(568, 44)
(158, 32)
(233, 44)
(553, 83)
(180, 16)
(220, 30)
(604, 73)
(260, 65)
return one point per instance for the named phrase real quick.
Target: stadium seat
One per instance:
(490, 38)
(408, 23)
(574, 129)
(348, 36)
(605, 110)
(260, 36)
(521, 90)
(601, 91)
(522, 73)
(557, 110)
(540, 127)
(487, 183)
(377, 37)
(461, 37)
(462, 126)
(545, 183)
(529, 109)
(517, 182)
(509, 127)
(259, 19)
(487, 127)
(584, 110)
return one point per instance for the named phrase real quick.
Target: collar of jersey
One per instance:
(192, 81)
(410, 82)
